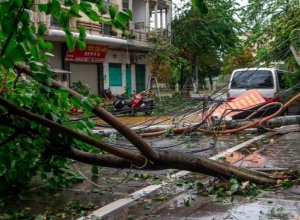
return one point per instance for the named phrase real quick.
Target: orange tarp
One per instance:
(248, 100)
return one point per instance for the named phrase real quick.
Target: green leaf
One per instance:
(42, 29)
(63, 93)
(25, 18)
(129, 13)
(97, 100)
(93, 15)
(64, 19)
(42, 44)
(34, 51)
(81, 44)
(200, 5)
(19, 53)
(74, 11)
(70, 39)
(86, 103)
(122, 18)
(101, 7)
(82, 34)
(54, 8)
(7, 61)
(81, 125)
(85, 6)
(19, 2)
(90, 124)
(112, 11)
(95, 170)
(75, 102)
(43, 7)
(68, 2)
(40, 77)
(288, 183)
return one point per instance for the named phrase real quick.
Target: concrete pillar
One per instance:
(130, 8)
(161, 18)
(166, 19)
(155, 15)
(169, 19)
(147, 18)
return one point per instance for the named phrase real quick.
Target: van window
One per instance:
(252, 79)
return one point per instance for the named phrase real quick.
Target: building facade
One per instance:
(110, 60)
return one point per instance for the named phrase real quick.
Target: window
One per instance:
(115, 74)
(253, 79)
(125, 4)
(107, 29)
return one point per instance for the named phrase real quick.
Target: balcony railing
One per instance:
(91, 28)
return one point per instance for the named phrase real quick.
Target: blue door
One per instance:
(115, 74)
(140, 72)
(128, 79)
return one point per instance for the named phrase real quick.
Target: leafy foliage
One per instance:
(203, 39)
(274, 26)
(165, 60)
(24, 144)
(241, 58)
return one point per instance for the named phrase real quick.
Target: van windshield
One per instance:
(252, 79)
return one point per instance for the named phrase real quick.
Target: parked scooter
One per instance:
(139, 103)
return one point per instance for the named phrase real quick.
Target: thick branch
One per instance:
(134, 138)
(170, 160)
(167, 160)
(67, 131)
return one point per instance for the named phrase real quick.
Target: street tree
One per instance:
(166, 60)
(240, 58)
(36, 134)
(273, 27)
(204, 39)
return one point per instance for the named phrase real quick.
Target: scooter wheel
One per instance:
(132, 112)
(147, 112)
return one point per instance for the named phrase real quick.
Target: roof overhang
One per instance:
(112, 42)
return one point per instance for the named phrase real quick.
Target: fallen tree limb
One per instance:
(172, 160)
(167, 160)
(67, 131)
(154, 159)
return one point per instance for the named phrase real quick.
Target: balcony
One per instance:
(91, 28)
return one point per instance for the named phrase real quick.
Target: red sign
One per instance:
(92, 54)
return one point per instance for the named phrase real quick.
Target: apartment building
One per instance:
(110, 60)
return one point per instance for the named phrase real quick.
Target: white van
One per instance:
(268, 81)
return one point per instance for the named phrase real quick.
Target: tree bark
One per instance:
(171, 160)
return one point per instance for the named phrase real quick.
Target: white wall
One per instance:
(56, 61)
(87, 74)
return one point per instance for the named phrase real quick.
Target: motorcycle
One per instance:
(139, 103)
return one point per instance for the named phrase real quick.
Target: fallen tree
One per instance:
(36, 136)
(149, 158)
